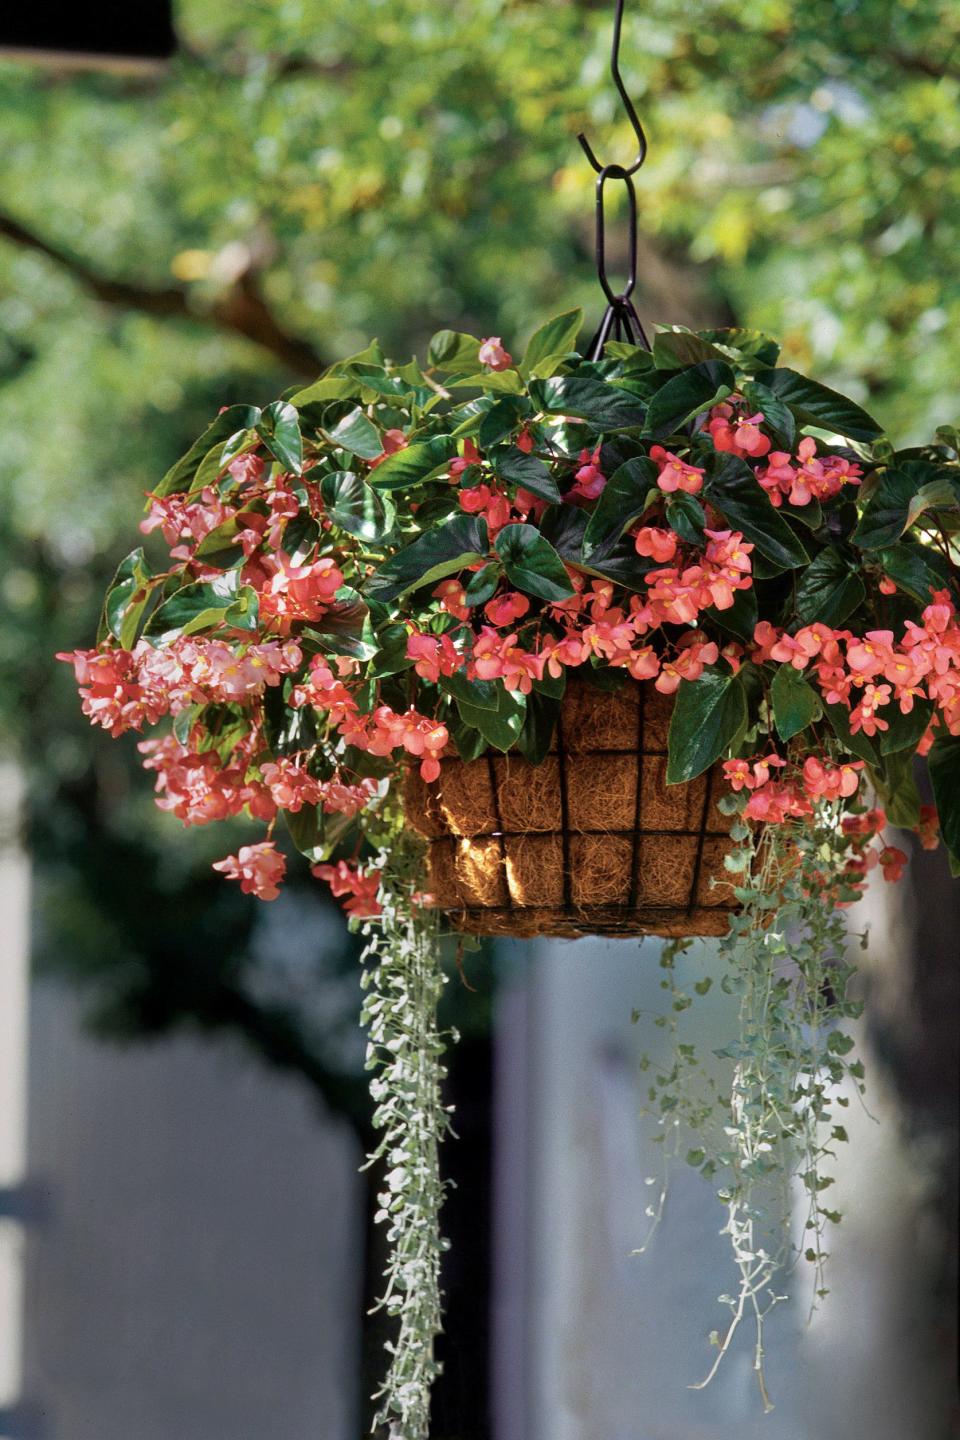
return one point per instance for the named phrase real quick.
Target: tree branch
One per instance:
(241, 309)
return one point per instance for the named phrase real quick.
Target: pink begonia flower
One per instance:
(471, 456)
(362, 886)
(435, 655)
(675, 474)
(524, 440)
(893, 861)
(589, 481)
(660, 545)
(488, 501)
(504, 609)
(259, 868)
(453, 598)
(928, 828)
(830, 782)
(493, 355)
(393, 440)
(741, 437)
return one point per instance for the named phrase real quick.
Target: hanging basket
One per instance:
(592, 841)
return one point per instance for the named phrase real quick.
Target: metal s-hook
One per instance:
(620, 172)
(620, 319)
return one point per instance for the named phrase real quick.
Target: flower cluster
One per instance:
(362, 577)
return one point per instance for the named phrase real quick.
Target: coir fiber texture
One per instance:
(590, 842)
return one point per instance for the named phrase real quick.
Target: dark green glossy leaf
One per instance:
(315, 833)
(482, 585)
(415, 463)
(829, 590)
(557, 337)
(127, 598)
(740, 618)
(328, 387)
(749, 344)
(625, 496)
(279, 428)
(461, 541)
(450, 350)
(905, 730)
(916, 569)
(795, 702)
(815, 404)
(896, 786)
(206, 604)
(886, 515)
(480, 694)
(674, 348)
(689, 394)
(353, 505)
(944, 763)
(686, 518)
(707, 714)
(235, 418)
(734, 490)
(778, 417)
(602, 405)
(531, 563)
(502, 419)
(501, 727)
(859, 744)
(527, 471)
(539, 726)
(357, 433)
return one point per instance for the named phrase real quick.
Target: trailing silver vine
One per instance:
(784, 957)
(403, 981)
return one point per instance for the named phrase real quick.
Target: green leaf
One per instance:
(886, 515)
(203, 605)
(356, 507)
(916, 569)
(414, 464)
(127, 598)
(235, 418)
(689, 394)
(777, 416)
(328, 387)
(895, 783)
(357, 433)
(686, 518)
(531, 563)
(734, 490)
(795, 703)
(279, 428)
(461, 541)
(815, 404)
(625, 496)
(939, 494)
(482, 585)
(595, 401)
(527, 471)
(315, 833)
(502, 419)
(214, 463)
(556, 338)
(536, 737)
(905, 730)
(675, 347)
(829, 590)
(859, 744)
(501, 727)
(944, 763)
(451, 350)
(479, 694)
(707, 714)
(745, 344)
(740, 618)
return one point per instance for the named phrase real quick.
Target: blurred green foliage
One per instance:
(311, 172)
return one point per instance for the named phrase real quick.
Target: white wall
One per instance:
(601, 1345)
(198, 1275)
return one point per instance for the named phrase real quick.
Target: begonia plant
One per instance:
(398, 561)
